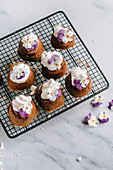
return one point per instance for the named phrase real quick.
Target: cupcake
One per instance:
(78, 82)
(22, 111)
(62, 38)
(30, 48)
(53, 65)
(0, 79)
(49, 95)
(20, 76)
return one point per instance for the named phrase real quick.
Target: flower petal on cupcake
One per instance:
(103, 117)
(84, 82)
(111, 105)
(68, 36)
(23, 113)
(96, 101)
(77, 84)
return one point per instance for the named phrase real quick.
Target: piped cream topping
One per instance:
(50, 90)
(51, 60)
(20, 73)
(22, 102)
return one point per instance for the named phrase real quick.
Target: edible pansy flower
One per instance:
(84, 82)
(63, 34)
(27, 108)
(111, 105)
(103, 117)
(96, 101)
(68, 36)
(93, 121)
(51, 60)
(23, 113)
(54, 94)
(20, 74)
(30, 41)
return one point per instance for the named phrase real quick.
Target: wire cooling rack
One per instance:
(76, 56)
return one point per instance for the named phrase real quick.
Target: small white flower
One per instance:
(68, 36)
(27, 108)
(103, 115)
(84, 82)
(29, 40)
(93, 121)
(96, 99)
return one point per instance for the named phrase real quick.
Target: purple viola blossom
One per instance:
(96, 101)
(110, 104)
(103, 117)
(60, 35)
(23, 113)
(77, 84)
(59, 93)
(86, 118)
(33, 46)
(21, 76)
(53, 58)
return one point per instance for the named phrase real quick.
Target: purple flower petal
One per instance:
(103, 120)
(59, 93)
(23, 113)
(96, 104)
(21, 76)
(110, 104)
(60, 35)
(77, 84)
(79, 87)
(53, 58)
(86, 118)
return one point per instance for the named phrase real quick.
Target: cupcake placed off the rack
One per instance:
(62, 38)
(53, 65)
(20, 76)
(30, 47)
(78, 82)
(49, 95)
(22, 111)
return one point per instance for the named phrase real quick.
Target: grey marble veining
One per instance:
(56, 145)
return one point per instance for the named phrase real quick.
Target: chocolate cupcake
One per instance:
(22, 111)
(53, 65)
(0, 79)
(20, 76)
(62, 38)
(78, 82)
(30, 48)
(49, 96)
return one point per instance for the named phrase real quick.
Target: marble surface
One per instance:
(56, 145)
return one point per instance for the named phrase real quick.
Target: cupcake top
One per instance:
(63, 34)
(30, 41)
(51, 60)
(50, 90)
(79, 78)
(20, 73)
(22, 105)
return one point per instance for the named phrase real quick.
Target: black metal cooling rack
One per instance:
(77, 56)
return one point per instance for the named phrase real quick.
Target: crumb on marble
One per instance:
(1, 163)
(2, 146)
(79, 159)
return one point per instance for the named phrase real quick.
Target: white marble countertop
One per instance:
(56, 145)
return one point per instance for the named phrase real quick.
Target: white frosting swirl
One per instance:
(30, 41)
(51, 60)
(67, 35)
(22, 102)
(81, 75)
(50, 90)
(18, 72)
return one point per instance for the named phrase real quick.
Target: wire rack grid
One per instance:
(79, 55)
